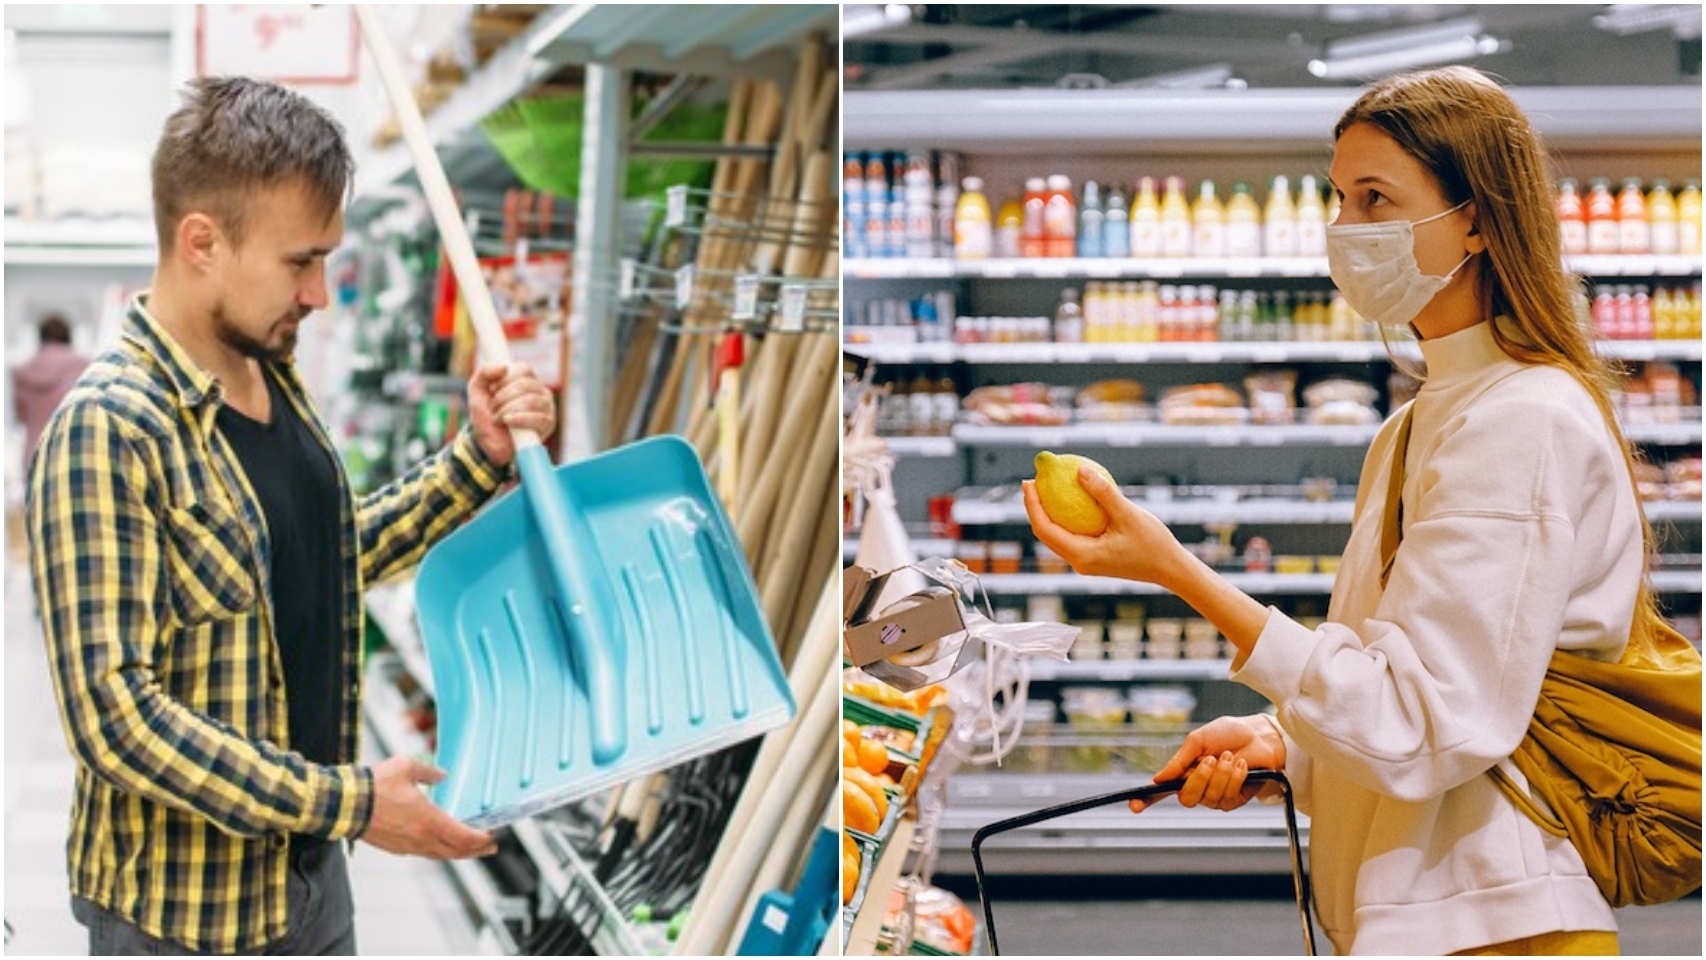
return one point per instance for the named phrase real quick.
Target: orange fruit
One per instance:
(873, 756)
(849, 754)
(858, 811)
(872, 787)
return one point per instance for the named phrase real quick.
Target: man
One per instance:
(39, 383)
(199, 560)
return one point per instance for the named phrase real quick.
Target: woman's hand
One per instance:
(1136, 546)
(501, 398)
(1223, 751)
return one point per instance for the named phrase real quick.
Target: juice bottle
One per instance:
(1208, 239)
(1167, 313)
(1688, 219)
(1090, 222)
(1131, 308)
(1243, 223)
(1060, 219)
(1148, 312)
(1069, 318)
(1009, 229)
(1279, 221)
(1641, 314)
(1604, 312)
(1116, 225)
(1095, 321)
(1033, 238)
(1603, 236)
(1661, 218)
(1634, 234)
(1664, 315)
(1311, 219)
(974, 235)
(1146, 221)
(1175, 220)
(1572, 219)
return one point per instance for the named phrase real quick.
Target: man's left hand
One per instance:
(502, 398)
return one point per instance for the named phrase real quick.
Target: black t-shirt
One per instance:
(296, 481)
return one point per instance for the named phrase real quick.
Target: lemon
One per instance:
(1064, 499)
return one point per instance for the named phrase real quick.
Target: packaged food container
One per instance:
(1294, 564)
(1004, 556)
(1045, 608)
(1048, 561)
(1166, 629)
(1093, 714)
(1203, 649)
(974, 554)
(1160, 717)
(1089, 644)
(1130, 610)
(1198, 630)
(1327, 564)
(1033, 754)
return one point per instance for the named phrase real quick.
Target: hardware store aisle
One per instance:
(403, 906)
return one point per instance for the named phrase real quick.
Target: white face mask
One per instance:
(1374, 266)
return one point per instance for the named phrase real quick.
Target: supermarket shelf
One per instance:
(1343, 351)
(1122, 671)
(1167, 268)
(1163, 435)
(80, 243)
(1686, 431)
(383, 706)
(391, 606)
(973, 512)
(1676, 581)
(1166, 839)
(862, 937)
(922, 548)
(1673, 511)
(1072, 584)
(922, 446)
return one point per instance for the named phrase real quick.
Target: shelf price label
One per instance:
(625, 278)
(793, 307)
(746, 298)
(684, 286)
(675, 210)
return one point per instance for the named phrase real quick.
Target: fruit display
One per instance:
(1064, 499)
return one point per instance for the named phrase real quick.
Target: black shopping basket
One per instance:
(1148, 794)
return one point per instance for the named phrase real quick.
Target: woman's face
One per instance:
(1377, 181)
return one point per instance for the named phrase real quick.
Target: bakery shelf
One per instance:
(1072, 584)
(868, 923)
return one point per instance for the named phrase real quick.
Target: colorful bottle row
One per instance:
(1150, 312)
(899, 204)
(1631, 221)
(1631, 313)
(1050, 221)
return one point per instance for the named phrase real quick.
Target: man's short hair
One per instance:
(54, 329)
(233, 136)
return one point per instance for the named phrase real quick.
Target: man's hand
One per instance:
(405, 822)
(501, 398)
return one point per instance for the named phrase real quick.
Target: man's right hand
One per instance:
(405, 822)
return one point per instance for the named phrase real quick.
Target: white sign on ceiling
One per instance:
(288, 43)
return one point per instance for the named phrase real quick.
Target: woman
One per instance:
(1522, 534)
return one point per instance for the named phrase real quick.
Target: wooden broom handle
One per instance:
(453, 233)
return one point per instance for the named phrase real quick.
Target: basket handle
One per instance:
(1149, 794)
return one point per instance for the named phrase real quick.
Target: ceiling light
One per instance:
(1378, 64)
(863, 18)
(1387, 41)
(1196, 78)
(1624, 19)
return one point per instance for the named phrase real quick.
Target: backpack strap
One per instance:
(1392, 522)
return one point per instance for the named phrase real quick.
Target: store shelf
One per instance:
(1166, 840)
(1673, 511)
(711, 40)
(1170, 268)
(924, 447)
(1344, 351)
(974, 512)
(1677, 581)
(1072, 584)
(391, 606)
(80, 243)
(868, 924)
(1686, 431)
(1125, 671)
(1083, 435)
(922, 548)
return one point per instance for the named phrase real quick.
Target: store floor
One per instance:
(404, 907)
(1200, 917)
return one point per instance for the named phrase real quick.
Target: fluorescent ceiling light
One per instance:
(1388, 41)
(1624, 19)
(1377, 64)
(1196, 78)
(862, 18)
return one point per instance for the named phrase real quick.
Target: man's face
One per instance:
(276, 277)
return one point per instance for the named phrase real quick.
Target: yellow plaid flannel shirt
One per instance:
(147, 547)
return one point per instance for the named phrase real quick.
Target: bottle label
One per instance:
(1175, 238)
(1573, 235)
(1311, 238)
(1632, 236)
(1209, 240)
(1280, 238)
(1243, 240)
(1665, 239)
(1145, 238)
(973, 239)
(1602, 236)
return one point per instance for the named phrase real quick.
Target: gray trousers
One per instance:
(321, 915)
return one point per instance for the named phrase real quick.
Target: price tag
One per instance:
(746, 298)
(684, 286)
(793, 307)
(1001, 269)
(625, 281)
(675, 213)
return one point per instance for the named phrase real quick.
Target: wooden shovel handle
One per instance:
(453, 233)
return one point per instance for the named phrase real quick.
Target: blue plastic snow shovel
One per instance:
(599, 623)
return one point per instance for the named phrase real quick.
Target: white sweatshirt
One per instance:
(1520, 536)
